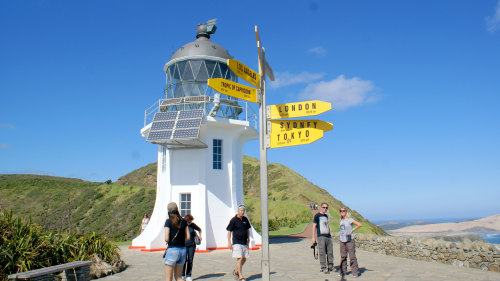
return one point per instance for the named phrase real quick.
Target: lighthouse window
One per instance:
(185, 203)
(217, 154)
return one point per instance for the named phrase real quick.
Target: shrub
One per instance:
(25, 246)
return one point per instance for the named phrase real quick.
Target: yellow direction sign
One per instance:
(244, 72)
(297, 109)
(294, 137)
(280, 126)
(234, 89)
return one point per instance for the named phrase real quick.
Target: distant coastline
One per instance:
(486, 228)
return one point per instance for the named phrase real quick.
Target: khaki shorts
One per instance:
(240, 251)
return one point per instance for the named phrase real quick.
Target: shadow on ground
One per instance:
(208, 276)
(258, 276)
(284, 239)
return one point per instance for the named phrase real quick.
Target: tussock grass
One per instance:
(25, 246)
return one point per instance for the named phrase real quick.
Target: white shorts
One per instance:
(240, 251)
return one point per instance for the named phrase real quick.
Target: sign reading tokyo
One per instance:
(295, 137)
(244, 72)
(292, 125)
(297, 109)
(234, 89)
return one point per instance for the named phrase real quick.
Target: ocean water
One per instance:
(493, 238)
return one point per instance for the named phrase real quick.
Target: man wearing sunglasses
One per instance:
(322, 236)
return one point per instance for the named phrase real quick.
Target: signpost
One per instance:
(297, 109)
(234, 89)
(244, 72)
(274, 133)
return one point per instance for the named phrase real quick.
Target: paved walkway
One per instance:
(291, 259)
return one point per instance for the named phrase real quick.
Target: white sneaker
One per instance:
(189, 278)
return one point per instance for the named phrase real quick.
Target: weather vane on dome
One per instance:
(205, 29)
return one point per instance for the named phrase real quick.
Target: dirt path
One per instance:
(307, 233)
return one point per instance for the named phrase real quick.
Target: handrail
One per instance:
(202, 101)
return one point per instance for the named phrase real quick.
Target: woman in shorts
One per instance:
(347, 243)
(176, 234)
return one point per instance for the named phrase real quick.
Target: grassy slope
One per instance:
(116, 210)
(112, 210)
(290, 195)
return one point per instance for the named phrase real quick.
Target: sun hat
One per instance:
(172, 206)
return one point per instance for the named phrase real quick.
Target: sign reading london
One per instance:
(297, 109)
(233, 89)
(244, 72)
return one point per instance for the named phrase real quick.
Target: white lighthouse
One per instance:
(200, 136)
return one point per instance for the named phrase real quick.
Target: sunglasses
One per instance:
(324, 207)
(343, 211)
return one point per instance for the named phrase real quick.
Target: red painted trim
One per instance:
(153, 250)
(258, 245)
(137, 247)
(219, 248)
(202, 251)
(254, 248)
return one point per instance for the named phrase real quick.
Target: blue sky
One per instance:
(414, 87)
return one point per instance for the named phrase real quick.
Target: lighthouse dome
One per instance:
(202, 46)
(192, 65)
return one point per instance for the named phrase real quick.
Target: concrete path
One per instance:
(292, 259)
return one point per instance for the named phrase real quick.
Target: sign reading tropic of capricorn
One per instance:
(244, 72)
(297, 109)
(234, 89)
(296, 132)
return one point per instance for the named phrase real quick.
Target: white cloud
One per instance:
(320, 51)
(287, 79)
(341, 92)
(493, 22)
(7, 126)
(5, 146)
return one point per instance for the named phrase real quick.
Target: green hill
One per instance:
(64, 204)
(115, 210)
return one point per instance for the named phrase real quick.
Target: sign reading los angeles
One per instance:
(244, 72)
(297, 109)
(234, 89)
(280, 126)
(295, 137)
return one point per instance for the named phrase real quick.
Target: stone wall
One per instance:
(475, 254)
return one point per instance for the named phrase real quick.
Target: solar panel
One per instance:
(162, 125)
(188, 123)
(160, 135)
(186, 133)
(175, 125)
(188, 114)
(165, 116)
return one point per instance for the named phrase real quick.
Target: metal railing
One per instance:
(230, 109)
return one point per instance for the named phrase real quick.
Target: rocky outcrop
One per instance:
(101, 268)
(476, 254)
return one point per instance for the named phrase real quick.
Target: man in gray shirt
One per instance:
(321, 230)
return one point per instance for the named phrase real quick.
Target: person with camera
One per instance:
(195, 239)
(347, 245)
(322, 236)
